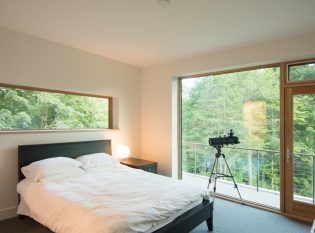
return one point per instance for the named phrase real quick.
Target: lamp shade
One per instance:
(123, 151)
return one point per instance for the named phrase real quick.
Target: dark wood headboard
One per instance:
(32, 153)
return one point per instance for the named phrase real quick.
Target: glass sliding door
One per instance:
(248, 102)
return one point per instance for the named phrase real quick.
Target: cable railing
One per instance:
(257, 168)
(304, 177)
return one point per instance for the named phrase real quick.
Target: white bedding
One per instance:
(107, 200)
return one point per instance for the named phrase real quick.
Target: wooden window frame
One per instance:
(297, 83)
(110, 108)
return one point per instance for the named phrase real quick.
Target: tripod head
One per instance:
(218, 154)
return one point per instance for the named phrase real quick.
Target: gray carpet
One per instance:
(229, 217)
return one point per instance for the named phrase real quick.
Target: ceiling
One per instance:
(142, 33)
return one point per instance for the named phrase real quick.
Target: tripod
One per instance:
(219, 175)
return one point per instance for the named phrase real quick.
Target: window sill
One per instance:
(53, 131)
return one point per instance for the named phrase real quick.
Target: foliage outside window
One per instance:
(301, 72)
(29, 109)
(247, 102)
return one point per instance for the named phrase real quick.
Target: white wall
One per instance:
(30, 61)
(157, 88)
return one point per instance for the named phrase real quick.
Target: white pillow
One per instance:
(96, 160)
(69, 173)
(47, 167)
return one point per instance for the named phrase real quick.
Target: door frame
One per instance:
(292, 206)
(287, 206)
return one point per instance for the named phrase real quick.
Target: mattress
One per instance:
(112, 199)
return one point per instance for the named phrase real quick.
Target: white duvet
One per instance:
(114, 199)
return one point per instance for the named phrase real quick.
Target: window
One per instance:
(24, 108)
(247, 101)
(301, 71)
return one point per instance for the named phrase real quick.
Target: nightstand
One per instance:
(142, 164)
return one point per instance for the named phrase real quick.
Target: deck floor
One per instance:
(249, 193)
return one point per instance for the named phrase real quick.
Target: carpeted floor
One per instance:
(229, 217)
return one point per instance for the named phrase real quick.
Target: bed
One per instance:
(185, 222)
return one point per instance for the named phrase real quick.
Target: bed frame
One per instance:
(31, 153)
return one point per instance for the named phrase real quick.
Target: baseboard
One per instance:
(9, 212)
(298, 217)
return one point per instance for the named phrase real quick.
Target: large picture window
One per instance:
(247, 101)
(24, 108)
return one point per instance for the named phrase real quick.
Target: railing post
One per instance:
(258, 164)
(195, 148)
(272, 187)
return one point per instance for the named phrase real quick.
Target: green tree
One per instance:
(28, 109)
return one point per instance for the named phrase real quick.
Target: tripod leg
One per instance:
(235, 185)
(211, 173)
(215, 178)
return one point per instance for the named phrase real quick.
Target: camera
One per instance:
(225, 140)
